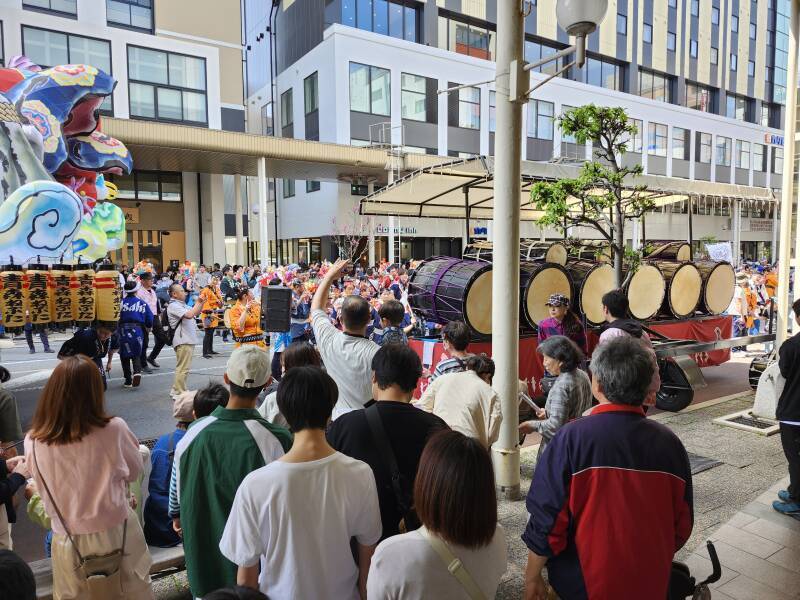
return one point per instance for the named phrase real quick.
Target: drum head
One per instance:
(557, 253)
(684, 290)
(597, 283)
(719, 288)
(547, 281)
(646, 292)
(478, 306)
(684, 253)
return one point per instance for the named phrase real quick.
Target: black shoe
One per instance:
(137, 379)
(153, 362)
(127, 384)
(147, 370)
(32, 351)
(214, 352)
(49, 351)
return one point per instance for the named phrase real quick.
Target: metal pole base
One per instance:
(506, 472)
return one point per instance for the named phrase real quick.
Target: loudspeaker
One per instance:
(276, 308)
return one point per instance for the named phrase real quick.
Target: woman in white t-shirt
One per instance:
(455, 500)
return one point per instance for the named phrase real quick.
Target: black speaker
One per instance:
(276, 308)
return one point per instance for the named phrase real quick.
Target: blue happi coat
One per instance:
(134, 315)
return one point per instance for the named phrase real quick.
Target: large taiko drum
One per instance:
(590, 281)
(683, 288)
(445, 289)
(680, 251)
(645, 289)
(592, 251)
(537, 282)
(480, 251)
(719, 285)
(551, 252)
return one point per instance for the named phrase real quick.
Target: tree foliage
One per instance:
(605, 193)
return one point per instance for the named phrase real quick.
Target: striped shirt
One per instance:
(450, 365)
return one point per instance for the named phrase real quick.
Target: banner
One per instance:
(720, 251)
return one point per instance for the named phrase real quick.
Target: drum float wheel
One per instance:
(675, 393)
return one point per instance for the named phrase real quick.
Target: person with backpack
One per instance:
(181, 334)
(134, 318)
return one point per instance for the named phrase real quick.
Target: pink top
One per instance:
(88, 478)
(149, 297)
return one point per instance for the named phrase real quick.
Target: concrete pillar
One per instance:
(212, 208)
(237, 198)
(392, 256)
(263, 223)
(371, 242)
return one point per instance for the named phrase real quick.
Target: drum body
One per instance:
(590, 280)
(551, 252)
(445, 289)
(479, 251)
(719, 285)
(537, 282)
(680, 251)
(645, 289)
(592, 251)
(683, 288)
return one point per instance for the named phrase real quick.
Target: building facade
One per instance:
(176, 61)
(703, 80)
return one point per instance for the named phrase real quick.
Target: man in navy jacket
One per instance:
(611, 498)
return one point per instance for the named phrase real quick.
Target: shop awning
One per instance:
(464, 188)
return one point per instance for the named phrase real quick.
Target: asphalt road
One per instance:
(147, 409)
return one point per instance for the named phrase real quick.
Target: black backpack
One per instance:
(163, 330)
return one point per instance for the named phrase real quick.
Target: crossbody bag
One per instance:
(103, 572)
(453, 564)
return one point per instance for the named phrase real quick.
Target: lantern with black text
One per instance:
(81, 287)
(108, 294)
(60, 296)
(13, 297)
(38, 301)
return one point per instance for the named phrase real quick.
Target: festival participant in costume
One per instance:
(148, 295)
(211, 299)
(135, 316)
(246, 320)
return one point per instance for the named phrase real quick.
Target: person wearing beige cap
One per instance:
(210, 462)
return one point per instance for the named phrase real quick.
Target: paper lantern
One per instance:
(13, 298)
(108, 294)
(60, 296)
(81, 287)
(38, 300)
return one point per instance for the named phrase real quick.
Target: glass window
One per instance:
(673, 3)
(777, 160)
(636, 144)
(693, 48)
(752, 31)
(412, 97)
(714, 15)
(657, 139)
(734, 62)
(759, 158)
(570, 139)
(287, 108)
(603, 73)
(671, 42)
(704, 146)
(2, 55)
(765, 115)
(310, 93)
(349, 13)
(695, 8)
(742, 154)
(312, 186)
(176, 82)
(369, 89)
(288, 188)
(680, 143)
(734, 23)
(467, 38)
(751, 68)
(469, 108)
(136, 14)
(67, 7)
(492, 110)
(536, 51)
(738, 107)
(700, 97)
(622, 24)
(723, 151)
(655, 86)
(398, 19)
(162, 186)
(647, 33)
(714, 55)
(540, 119)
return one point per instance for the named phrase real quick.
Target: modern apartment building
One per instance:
(176, 61)
(703, 79)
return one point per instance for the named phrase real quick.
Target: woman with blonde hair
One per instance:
(82, 461)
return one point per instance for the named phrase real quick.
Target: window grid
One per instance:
(752, 31)
(413, 97)
(61, 7)
(693, 48)
(535, 51)
(751, 68)
(742, 154)
(671, 41)
(657, 139)
(469, 108)
(288, 188)
(311, 93)
(370, 89)
(603, 73)
(735, 23)
(635, 145)
(734, 62)
(695, 8)
(723, 158)
(714, 56)
(287, 108)
(704, 145)
(759, 158)
(680, 143)
(738, 107)
(622, 24)
(394, 18)
(468, 37)
(714, 15)
(149, 186)
(130, 14)
(700, 97)
(655, 86)
(312, 186)
(647, 33)
(540, 119)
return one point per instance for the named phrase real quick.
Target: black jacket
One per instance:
(789, 364)
(9, 484)
(630, 326)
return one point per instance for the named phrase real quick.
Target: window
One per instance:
(312, 186)
(734, 23)
(680, 143)
(2, 55)
(536, 51)
(738, 107)
(671, 41)
(751, 68)
(469, 108)
(369, 90)
(267, 124)
(166, 86)
(603, 73)
(163, 186)
(397, 19)
(287, 108)
(703, 147)
(647, 33)
(752, 31)
(622, 24)
(64, 7)
(636, 145)
(51, 48)
(471, 39)
(657, 139)
(655, 86)
(693, 48)
(700, 97)
(540, 119)
(769, 115)
(759, 158)
(714, 56)
(492, 111)
(412, 97)
(135, 14)
(723, 151)
(673, 3)
(742, 154)
(570, 139)
(695, 8)
(714, 15)
(777, 160)
(311, 93)
(734, 62)
(288, 188)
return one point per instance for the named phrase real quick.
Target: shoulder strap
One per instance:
(386, 453)
(453, 564)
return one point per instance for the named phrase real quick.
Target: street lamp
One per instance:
(578, 18)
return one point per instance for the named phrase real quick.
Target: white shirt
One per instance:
(348, 359)
(270, 411)
(407, 567)
(298, 518)
(737, 302)
(185, 329)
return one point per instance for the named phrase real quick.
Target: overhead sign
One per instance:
(384, 230)
(760, 224)
(480, 231)
(772, 139)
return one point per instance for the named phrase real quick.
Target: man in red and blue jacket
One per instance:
(611, 498)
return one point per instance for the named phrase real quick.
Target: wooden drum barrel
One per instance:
(719, 285)
(551, 252)
(593, 251)
(683, 287)
(590, 281)
(480, 251)
(645, 289)
(537, 282)
(680, 251)
(445, 289)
